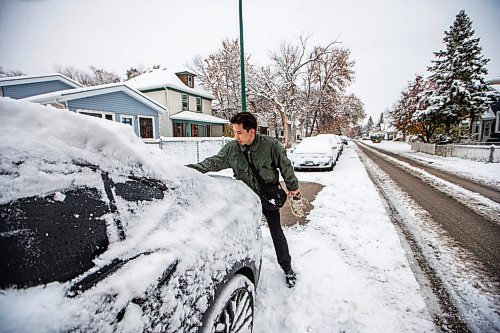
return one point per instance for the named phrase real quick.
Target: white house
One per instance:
(189, 106)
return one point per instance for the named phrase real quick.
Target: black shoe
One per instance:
(290, 278)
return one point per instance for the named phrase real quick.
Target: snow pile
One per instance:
(206, 223)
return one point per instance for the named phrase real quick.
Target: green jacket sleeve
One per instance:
(214, 163)
(285, 167)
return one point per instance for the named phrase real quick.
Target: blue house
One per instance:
(26, 86)
(115, 102)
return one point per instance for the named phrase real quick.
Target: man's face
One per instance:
(243, 136)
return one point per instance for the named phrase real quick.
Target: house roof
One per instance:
(71, 94)
(162, 78)
(488, 115)
(15, 80)
(198, 117)
(494, 81)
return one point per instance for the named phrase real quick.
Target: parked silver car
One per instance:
(314, 153)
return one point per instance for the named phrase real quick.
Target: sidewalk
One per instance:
(353, 274)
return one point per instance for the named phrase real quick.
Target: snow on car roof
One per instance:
(313, 145)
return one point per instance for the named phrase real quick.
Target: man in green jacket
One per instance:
(268, 156)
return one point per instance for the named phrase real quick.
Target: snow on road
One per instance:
(353, 274)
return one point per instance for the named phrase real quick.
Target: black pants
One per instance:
(279, 239)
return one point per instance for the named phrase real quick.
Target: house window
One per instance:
(190, 81)
(203, 130)
(97, 114)
(179, 129)
(198, 104)
(128, 120)
(146, 128)
(185, 102)
(497, 126)
(194, 130)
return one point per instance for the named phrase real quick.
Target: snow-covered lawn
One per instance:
(353, 274)
(484, 172)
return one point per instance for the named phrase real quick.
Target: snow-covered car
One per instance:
(101, 233)
(314, 153)
(345, 139)
(335, 142)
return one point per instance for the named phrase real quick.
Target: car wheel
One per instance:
(233, 308)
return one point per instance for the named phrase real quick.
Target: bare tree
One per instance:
(10, 73)
(408, 114)
(220, 74)
(324, 85)
(97, 77)
(278, 83)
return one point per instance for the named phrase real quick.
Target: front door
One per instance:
(146, 128)
(487, 130)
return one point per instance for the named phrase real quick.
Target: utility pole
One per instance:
(242, 65)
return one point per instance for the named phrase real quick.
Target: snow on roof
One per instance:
(70, 94)
(163, 78)
(14, 80)
(494, 81)
(488, 115)
(200, 117)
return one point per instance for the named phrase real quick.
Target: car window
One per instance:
(140, 189)
(51, 238)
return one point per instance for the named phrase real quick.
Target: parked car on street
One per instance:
(314, 153)
(335, 141)
(345, 139)
(101, 233)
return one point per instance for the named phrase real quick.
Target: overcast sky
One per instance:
(390, 40)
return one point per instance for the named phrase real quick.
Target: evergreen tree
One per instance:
(380, 121)
(458, 73)
(370, 124)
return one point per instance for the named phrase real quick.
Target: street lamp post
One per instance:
(242, 65)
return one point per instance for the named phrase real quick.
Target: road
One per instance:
(470, 230)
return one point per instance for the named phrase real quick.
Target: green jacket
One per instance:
(266, 153)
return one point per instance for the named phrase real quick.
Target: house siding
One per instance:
(19, 91)
(119, 103)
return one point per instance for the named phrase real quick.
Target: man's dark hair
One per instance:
(246, 118)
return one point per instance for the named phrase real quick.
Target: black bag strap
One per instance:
(261, 181)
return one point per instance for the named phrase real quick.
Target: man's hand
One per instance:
(294, 193)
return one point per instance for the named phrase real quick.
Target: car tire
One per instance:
(233, 308)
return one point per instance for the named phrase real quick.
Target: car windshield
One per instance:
(51, 238)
